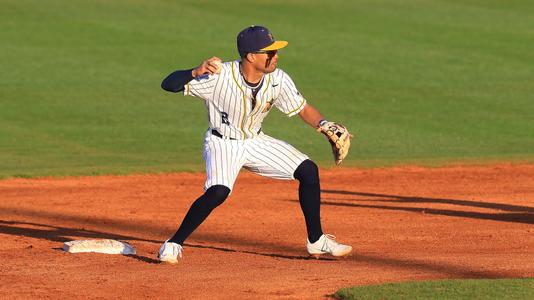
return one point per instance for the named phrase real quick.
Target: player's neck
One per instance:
(250, 74)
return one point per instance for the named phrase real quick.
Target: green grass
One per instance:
(513, 289)
(419, 82)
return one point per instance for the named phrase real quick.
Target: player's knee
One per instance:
(217, 194)
(307, 172)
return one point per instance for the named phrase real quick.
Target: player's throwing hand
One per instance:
(209, 66)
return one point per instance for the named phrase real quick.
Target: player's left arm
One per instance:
(311, 115)
(337, 134)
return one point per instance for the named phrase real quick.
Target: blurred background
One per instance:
(418, 82)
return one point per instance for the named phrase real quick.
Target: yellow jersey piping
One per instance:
(244, 102)
(258, 105)
(291, 112)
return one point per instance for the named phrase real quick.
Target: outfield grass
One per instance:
(427, 82)
(512, 289)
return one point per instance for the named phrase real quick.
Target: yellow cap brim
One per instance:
(275, 46)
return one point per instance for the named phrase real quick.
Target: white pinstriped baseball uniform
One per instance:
(233, 113)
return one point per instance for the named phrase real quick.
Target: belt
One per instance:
(218, 134)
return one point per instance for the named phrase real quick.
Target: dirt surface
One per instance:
(404, 224)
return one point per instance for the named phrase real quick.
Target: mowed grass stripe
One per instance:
(425, 82)
(498, 289)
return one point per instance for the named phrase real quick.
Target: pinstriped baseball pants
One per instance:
(262, 155)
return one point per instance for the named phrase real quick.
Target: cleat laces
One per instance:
(329, 243)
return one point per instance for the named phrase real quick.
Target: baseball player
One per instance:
(238, 96)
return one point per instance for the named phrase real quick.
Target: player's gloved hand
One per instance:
(209, 66)
(338, 136)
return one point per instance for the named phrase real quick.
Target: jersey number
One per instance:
(224, 117)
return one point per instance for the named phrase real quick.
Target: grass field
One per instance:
(512, 289)
(425, 82)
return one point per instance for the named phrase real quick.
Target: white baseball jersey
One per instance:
(229, 100)
(237, 115)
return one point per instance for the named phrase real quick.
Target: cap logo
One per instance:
(270, 37)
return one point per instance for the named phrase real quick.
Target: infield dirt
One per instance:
(404, 224)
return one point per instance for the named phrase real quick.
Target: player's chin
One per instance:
(271, 68)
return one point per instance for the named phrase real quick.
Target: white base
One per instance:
(99, 246)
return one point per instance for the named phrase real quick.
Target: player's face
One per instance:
(266, 61)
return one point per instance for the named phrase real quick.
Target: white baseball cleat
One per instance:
(169, 252)
(327, 244)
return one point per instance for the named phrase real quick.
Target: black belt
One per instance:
(217, 134)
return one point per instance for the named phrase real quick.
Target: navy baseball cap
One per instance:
(256, 39)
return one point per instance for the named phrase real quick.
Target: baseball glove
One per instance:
(339, 137)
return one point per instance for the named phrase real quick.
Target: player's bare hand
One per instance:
(209, 66)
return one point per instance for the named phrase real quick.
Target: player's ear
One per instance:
(250, 57)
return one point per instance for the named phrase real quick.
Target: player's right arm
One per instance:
(177, 80)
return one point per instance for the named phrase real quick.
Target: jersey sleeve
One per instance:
(289, 99)
(201, 86)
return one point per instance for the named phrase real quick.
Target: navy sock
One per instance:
(199, 211)
(310, 198)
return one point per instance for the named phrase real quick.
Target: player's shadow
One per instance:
(410, 199)
(63, 234)
(512, 213)
(57, 233)
(273, 255)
